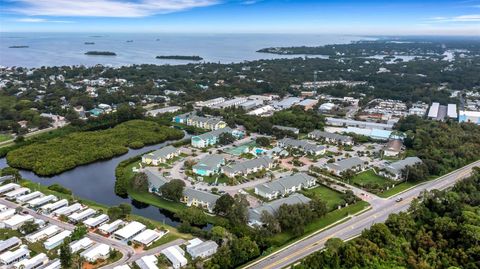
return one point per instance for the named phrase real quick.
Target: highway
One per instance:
(381, 209)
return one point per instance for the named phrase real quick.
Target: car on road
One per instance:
(399, 200)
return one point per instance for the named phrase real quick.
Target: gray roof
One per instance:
(283, 183)
(209, 120)
(215, 133)
(346, 164)
(249, 164)
(255, 214)
(162, 153)
(286, 128)
(398, 166)
(10, 242)
(301, 144)
(210, 162)
(155, 178)
(321, 134)
(201, 196)
(202, 247)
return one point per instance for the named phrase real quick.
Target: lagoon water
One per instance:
(58, 49)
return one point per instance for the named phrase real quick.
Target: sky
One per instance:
(365, 17)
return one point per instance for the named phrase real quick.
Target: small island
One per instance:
(180, 57)
(101, 53)
(89, 43)
(18, 47)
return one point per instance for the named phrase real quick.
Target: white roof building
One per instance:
(8, 187)
(7, 214)
(9, 243)
(94, 222)
(82, 215)
(452, 111)
(147, 237)
(125, 266)
(433, 112)
(16, 221)
(17, 193)
(11, 257)
(67, 210)
(35, 262)
(78, 245)
(95, 252)
(54, 206)
(55, 264)
(109, 228)
(147, 262)
(42, 234)
(176, 256)
(202, 249)
(129, 231)
(27, 197)
(41, 201)
(56, 240)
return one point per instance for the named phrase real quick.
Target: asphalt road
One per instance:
(381, 209)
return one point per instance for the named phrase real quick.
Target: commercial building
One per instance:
(199, 198)
(95, 222)
(231, 103)
(255, 214)
(393, 148)
(82, 215)
(433, 111)
(210, 103)
(17, 193)
(95, 252)
(56, 240)
(358, 124)
(209, 165)
(80, 244)
(248, 167)
(354, 164)
(396, 170)
(35, 262)
(201, 249)
(452, 111)
(308, 103)
(161, 155)
(109, 228)
(147, 237)
(331, 138)
(176, 256)
(16, 221)
(10, 257)
(287, 103)
(46, 232)
(163, 110)
(285, 185)
(304, 146)
(292, 130)
(129, 231)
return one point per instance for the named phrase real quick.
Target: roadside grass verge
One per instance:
(331, 197)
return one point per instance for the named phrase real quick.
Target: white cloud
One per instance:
(106, 8)
(462, 18)
(39, 20)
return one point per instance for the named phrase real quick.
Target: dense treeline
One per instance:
(443, 146)
(441, 230)
(63, 153)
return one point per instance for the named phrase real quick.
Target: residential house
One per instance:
(34, 262)
(10, 257)
(16, 221)
(209, 123)
(292, 130)
(129, 231)
(145, 262)
(392, 148)
(109, 228)
(182, 118)
(201, 249)
(95, 252)
(209, 165)
(95, 222)
(161, 155)
(331, 138)
(147, 237)
(155, 180)
(176, 256)
(285, 185)
(56, 240)
(80, 244)
(396, 170)
(212, 138)
(304, 146)
(355, 164)
(9, 243)
(47, 232)
(248, 167)
(255, 214)
(199, 198)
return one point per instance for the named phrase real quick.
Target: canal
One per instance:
(96, 182)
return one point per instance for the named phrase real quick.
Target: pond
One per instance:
(96, 182)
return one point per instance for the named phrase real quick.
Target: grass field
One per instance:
(5, 137)
(369, 177)
(331, 197)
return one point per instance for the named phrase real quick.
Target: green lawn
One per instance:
(331, 197)
(398, 188)
(5, 137)
(369, 177)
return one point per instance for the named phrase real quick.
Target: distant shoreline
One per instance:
(18, 47)
(180, 57)
(100, 53)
